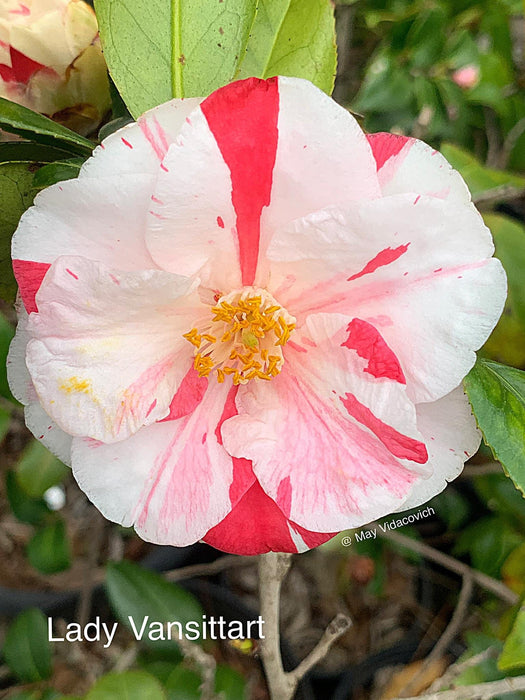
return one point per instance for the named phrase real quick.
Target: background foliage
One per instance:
(397, 71)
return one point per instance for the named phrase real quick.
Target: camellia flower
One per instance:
(247, 322)
(51, 60)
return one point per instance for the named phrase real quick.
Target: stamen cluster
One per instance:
(244, 339)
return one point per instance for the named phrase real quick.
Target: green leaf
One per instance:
(6, 335)
(295, 38)
(27, 509)
(33, 126)
(230, 683)
(481, 180)
(48, 550)
(38, 470)
(16, 195)
(113, 125)
(56, 172)
(513, 570)
(159, 49)
(183, 684)
(27, 650)
(5, 420)
(136, 592)
(497, 395)
(18, 163)
(130, 685)
(488, 541)
(513, 654)
(509, 239)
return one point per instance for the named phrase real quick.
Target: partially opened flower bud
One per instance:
(51, 60)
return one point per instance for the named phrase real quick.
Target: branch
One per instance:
(273, 568)
(210, 569)
(451, 630)
(206, 663)
(480, 691)
(459, 667)
(487, 582)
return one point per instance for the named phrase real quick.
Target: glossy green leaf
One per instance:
(159, 49)
(38, 469)
(56, 172)
(18, 163)
(33, 126)
(293, 37)
(513, 655)
(48, 550)
(26, 649)
(26, 509)
(130, 685)
(488, 542)
(481, 181)
(136, 592)
(6, 335)
(497, 395)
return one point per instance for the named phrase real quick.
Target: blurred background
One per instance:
(441, 593)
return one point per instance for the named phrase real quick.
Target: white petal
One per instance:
(107, 352)
(451, 436)
(171, 480)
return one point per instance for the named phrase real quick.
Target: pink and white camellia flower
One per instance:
(247, 321)
(51, 60)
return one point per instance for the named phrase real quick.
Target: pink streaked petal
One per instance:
(322, 159)
(148, 138)
(409, 165)
(191, 226)
(29, 276)
(333, 369)
(451, 436)
(398, 444)
(323, 471)
(257, 525)
(78, 217)
(170, 480)
(242, 117)
(92, 368)
(188, 396)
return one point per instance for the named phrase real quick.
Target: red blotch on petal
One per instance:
(22, 68)
(399, 445)
(369, 344)
(385, 145)
(188, 396)
(384, 257)
(256, 525)
(242, 117)
(29, 276)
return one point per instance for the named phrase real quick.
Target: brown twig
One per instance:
(90, 572)
(459, 667)
(496, 587)
(207, 666)
(210, 569)
(273, 567)
(451, 630)
(479, 691)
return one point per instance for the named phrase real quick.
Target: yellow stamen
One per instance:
(244, 337)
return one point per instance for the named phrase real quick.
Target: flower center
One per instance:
(244, 338)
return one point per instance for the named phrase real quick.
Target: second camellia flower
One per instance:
(247, 322)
